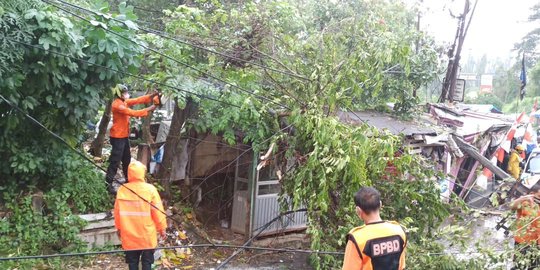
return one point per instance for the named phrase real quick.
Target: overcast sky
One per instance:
(495, 27)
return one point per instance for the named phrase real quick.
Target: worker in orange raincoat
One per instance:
(119, 134)
(139, 217)
(527, 233)
(513, 162)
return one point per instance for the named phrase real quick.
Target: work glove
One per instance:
(157, 100)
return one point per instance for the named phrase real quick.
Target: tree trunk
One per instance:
(173, 145)
(146, 135)
(97, 144)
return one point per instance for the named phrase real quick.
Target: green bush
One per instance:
(55, 227)
(428, 254)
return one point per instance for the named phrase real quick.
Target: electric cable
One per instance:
(248, 242)
(169, 57)
(240, 248)
(87, 159)
(138, 77)
(194, 246)
(81, 254)
(167, 36)
(145, 9)
(230, 163)
(243, 247)
(101, 168)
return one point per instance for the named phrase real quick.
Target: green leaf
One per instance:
(98, 24)
(98, 34)
(120, 51)
(46, 41)
(31, 13)
(102, 45)
(131, 25)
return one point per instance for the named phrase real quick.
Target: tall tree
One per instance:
(47, 71)
(356, 55)
(96, 148)
(454, 52)
(480, 67)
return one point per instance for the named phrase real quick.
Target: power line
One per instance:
(186, 37)
(85, 157)
(81, 254)
(248, 242)
(101, 168)
(229, 164)
(245, 246)
(168, 57)
(126, 73)
(164, 35)
(187, 246)
(167, 36)
(308, 251)
(145, 9)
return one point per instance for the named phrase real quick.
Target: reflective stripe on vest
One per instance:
(133, 213)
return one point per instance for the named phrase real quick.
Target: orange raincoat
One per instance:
(121, 113)
(527, 223)
(137, 221)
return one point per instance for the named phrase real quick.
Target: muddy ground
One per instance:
(249, 260)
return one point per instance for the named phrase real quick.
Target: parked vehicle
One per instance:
(531, 174)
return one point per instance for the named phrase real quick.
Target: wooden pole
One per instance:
(473, 152)
(454, 54)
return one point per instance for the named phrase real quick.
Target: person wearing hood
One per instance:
(514, 161)
(119, 134)
(139, 217)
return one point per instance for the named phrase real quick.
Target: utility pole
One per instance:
(417, 48)
(417, 45)
(454, 54)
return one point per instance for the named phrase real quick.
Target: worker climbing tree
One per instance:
(119, 134)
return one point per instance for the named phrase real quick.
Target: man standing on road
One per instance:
(527, 233)
(139, 217)
(378, 244)
(119, 134)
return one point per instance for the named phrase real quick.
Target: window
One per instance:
(534, 165)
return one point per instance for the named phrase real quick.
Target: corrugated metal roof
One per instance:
(386, 121)
(466, 122)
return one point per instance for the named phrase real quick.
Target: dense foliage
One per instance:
(254, 69)
(40, 73)
(341, 159)
(352, 56)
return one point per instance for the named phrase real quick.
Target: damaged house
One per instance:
(468, 143)
(233, 187)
